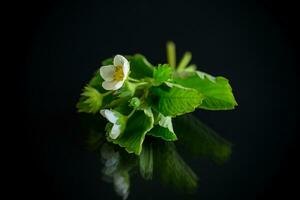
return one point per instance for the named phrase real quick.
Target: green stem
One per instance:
(114, 103)
(132, 79)
(107, 93)
(131, 113)
(171, 54)
(184, 61)
(141, 84)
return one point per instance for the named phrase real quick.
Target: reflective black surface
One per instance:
(250, 43)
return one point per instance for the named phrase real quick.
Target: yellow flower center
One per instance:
(118, 76)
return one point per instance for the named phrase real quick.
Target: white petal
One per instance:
(126, 68)
(103, 112)
(115, 131)
(107, 72)
(109, 85)
(118, 85)
(112, 85)
(120, 60)
(110, 116)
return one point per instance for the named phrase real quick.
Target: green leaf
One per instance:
(165, 122)
(137, 127)
(217, 91)
(140, 67)
(200, 140)
(90, 100)
(146, 161)
(174, 100)
(161, 132)
(127, 90)
(96, 82)
(171, 168)
(164, 129)
(162, 73)
(107, 61)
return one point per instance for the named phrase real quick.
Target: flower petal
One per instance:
(109, 85)
(102, 112)
(112, 85)
(126, 68)
(109, 115)
(107, 72)
(118, 85)
(120, 60)
(115, 131)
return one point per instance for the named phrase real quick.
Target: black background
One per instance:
(252, 43)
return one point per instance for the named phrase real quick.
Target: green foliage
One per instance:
(96, 82)
(201, 140)
(127, 90)
(162, 73)
(146, 105)
(140, 67)
(175, 100)
(107, 61)
(90, 100)
(217, 92)
(165, 122)
(161, 132)
(163, 129)
(137, 127)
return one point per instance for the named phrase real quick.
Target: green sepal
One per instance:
(162, 73)
(90, 100)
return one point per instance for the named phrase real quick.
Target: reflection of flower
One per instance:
(121, 183)
(115, 75)
(114, 172)
(118, 121)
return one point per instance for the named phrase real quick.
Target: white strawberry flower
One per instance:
(115, 75)
(118, 121)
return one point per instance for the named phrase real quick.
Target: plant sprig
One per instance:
(141, 100)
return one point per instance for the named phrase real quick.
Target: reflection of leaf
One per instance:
(94, 140)
(171, 168)
(146, 161)
(93, 130)
(200, 139)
